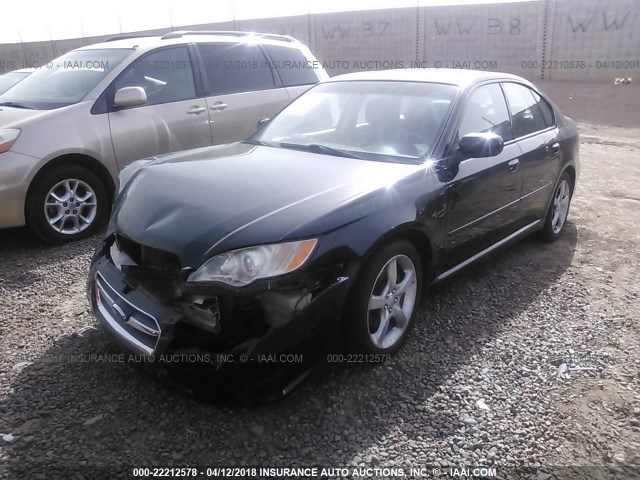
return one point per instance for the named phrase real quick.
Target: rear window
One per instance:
(292, 66)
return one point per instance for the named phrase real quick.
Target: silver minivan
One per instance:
(72, 125)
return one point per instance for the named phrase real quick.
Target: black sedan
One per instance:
(328, 223)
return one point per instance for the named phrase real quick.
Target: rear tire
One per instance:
(66, 203)
(385, 299)
(558, 212)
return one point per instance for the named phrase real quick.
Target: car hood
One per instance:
(14, 117)
(203, 202)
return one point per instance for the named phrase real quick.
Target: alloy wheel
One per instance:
(560, 206)
(70, 206)
(392, 301)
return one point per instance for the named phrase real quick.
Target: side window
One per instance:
(235, 68)
(292, 66)
(527, 117)
(166, 76)
(545, 109)
(487, 112)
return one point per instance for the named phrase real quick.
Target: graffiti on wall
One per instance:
(362, 30)
(598, 21)
(495, 26)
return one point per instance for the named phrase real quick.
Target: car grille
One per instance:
(148, 257)
(156, 271)
(137, 328)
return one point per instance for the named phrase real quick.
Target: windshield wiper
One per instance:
(253, 141)
(318, 148)
(14, 105)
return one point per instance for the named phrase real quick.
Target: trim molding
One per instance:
(487, 250)
(487, 215)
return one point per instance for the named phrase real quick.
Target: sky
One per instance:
(38, 20)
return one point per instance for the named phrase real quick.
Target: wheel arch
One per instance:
(571, 170)
(418, 238)
(80, 160)
(357, 339)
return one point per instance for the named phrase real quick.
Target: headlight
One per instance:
(241, 267)
(7, 138)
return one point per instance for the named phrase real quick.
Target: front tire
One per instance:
(558, 211)
(385, 300)
(66, 203)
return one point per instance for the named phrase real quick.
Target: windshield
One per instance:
(376, 120)
(65, 80)
(8, 80)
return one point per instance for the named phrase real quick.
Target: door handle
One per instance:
(512, 166)
(219, 106)
(196, 109)
(555, 148)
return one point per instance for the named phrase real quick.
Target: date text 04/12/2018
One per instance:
(315, 472)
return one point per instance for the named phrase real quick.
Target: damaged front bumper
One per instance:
(154, 312)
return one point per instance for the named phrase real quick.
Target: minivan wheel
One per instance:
(385, 300)
(558, 210)
(66, 203)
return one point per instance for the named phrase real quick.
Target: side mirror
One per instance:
(130, 97)
(262, 122)
(477, 145)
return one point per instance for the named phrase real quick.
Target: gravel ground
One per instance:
(529, 359)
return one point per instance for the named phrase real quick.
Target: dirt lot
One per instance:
(531, 358)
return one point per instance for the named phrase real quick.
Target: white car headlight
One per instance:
(7, 138)
(241, 267)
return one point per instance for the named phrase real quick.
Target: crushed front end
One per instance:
(142, 297)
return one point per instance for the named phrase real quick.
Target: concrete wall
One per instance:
(12, 57)
(367, 40)
(572, 40)
(297, 27)
(604, 36)
(483, 37)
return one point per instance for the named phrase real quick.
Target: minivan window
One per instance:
(292, 66)
(487, 112)
(527, 117)
(166, 76)
(65, 80)
(235, 68)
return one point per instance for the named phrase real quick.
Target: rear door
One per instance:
(483, 196)
(174, 117)
(537, 136)
(240, 88)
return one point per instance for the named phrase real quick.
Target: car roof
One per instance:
(452, 76)
(179, 37)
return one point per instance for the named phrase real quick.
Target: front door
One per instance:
(174, 117)
(483, 196)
